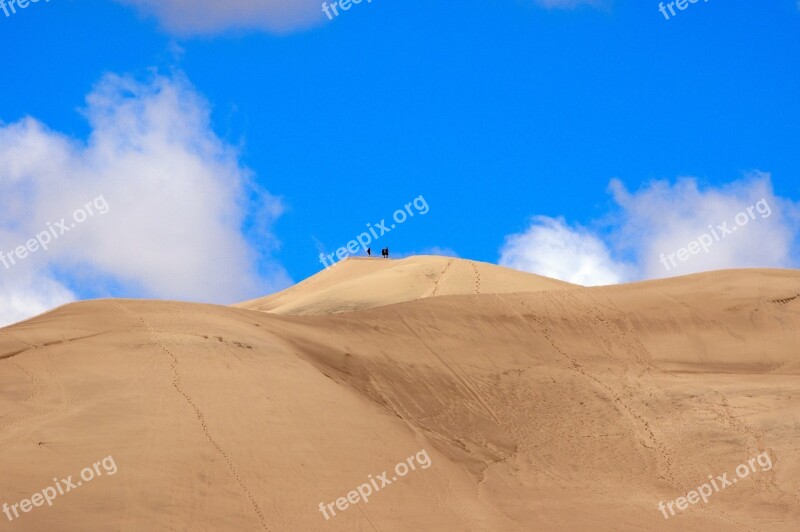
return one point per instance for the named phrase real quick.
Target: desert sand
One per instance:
(541, 405)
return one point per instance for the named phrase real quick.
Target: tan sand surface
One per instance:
(541, 405)
(359, 283)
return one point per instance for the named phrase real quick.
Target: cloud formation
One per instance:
(666, 229)
(433, 250)
(552, 248)
(177, 198)
(662, 218)
(207, 17)
(190, 17)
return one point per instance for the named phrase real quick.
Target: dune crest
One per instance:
(359, 283)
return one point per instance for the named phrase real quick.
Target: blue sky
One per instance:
(235, 142)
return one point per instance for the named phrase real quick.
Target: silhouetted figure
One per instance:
(369, 252)
(385, 253)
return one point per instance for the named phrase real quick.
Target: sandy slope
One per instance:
(360, 283)
(550, 407)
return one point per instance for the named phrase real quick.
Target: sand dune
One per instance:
(361, 283)
(540, 405)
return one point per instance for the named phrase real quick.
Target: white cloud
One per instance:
(662, 218)
(186, 17)
(29, 295)
(433, 250)
(206, 17)
(551, 248)
(654, 223)
(177, 202)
